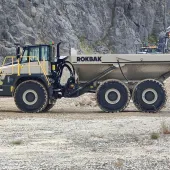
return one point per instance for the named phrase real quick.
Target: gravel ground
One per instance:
(76, 135)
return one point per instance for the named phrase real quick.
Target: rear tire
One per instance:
(48, 107)
(149, 96)
(113, 96)
(31, 96)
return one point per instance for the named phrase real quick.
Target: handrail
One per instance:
(19, 68)
(3, 64)
(29, 65)
(39, 64)
(8, 57)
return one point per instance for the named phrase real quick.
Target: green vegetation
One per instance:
(90, 49)
(164, 130)
(152, 39)
(16, 142)
(84, 46)
(155, 136)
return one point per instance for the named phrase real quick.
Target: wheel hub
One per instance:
(112, 96)
(149, 96)
(30, 97)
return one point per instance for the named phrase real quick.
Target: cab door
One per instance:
(33, 66)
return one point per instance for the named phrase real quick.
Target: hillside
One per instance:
(89, 25)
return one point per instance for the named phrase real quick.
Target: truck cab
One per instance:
(36, 55)
(35, 59)
(40, 52)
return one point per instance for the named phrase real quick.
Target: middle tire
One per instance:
(113, 96)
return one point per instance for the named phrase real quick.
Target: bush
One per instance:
(154, 136)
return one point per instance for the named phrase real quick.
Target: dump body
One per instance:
(135, 67)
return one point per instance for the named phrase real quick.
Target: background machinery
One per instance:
(162, 46)
(149, 50)
(33, 78)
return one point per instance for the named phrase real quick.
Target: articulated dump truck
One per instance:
(33, 78)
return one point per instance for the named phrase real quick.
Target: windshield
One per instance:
(34, 53)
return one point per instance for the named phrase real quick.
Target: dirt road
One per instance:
(76, 138)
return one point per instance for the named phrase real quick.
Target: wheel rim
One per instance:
(30, 97)
(149, 96)
(112, 96)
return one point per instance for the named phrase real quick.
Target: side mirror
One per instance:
(18, 52)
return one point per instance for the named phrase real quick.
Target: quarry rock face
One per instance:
(102, 26)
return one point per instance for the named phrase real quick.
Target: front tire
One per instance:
(149, 96)
(31, 96)
(113, 96)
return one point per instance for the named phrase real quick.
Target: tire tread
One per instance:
(41, 86)
(139, 107)
(128, 91)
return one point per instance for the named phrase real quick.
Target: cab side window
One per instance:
(45, 53)
(34, 54)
